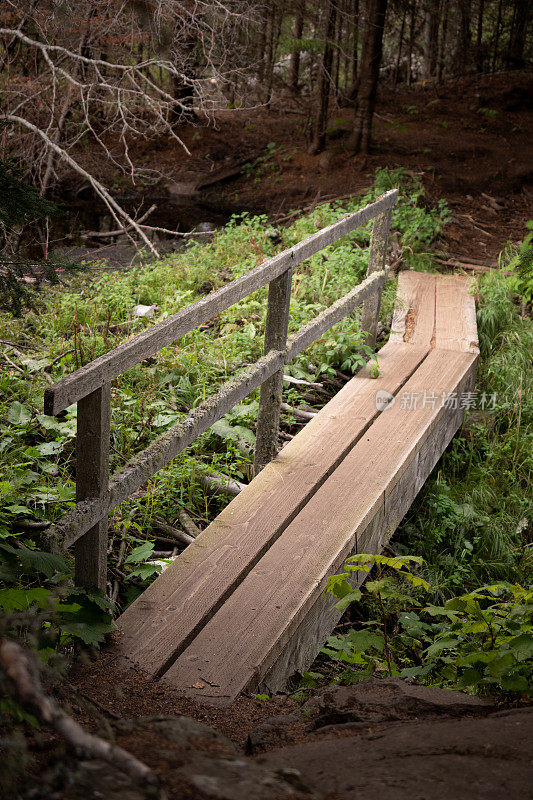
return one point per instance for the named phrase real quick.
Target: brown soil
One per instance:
(479, 161)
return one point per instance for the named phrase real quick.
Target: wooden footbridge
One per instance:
(242, 608)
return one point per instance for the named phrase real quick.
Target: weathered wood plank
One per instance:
(455, 315)
(170, 613)
(271, 394)
(92, 475)
(379, 243)
(141, 467)
(414, 314)
(275, 598)
(330, 316)
(104, 369)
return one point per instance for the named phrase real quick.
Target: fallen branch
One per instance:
(12, 344)
(468, 217)
(12, 363)
(115, 209)
(173, 533)
(190, 527)
(298, 412)
(299, 381)
(23, 674)
(221, 484)
(481, 263)
(481, 268)
(52, 363)
(119, 231)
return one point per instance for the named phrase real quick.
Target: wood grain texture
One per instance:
(413, 321)
(110, 365)
(247, 636)
(166, 447)
(171, 612)
(92, 475)
(379, 243)
(455, 315)
(271, 394)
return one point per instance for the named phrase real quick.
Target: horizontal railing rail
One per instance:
(86, 524)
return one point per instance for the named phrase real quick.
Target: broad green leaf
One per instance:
(515, 683)
(21, 599)
(522, 646)
(140, 553)
(447, 642)
(145, 571)
(337, 585)
(18, 414)
(352, 597)
(89, 634)
(39, 561)
(50, 448)
(16, 509)
(364, 640)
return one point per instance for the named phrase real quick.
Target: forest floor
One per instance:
(470, 142)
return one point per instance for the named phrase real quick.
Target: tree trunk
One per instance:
(294, 68)
(515, 55)
(369, 75)
(479, 37)
(355, 56)
(497, 36)
(462, 58)
(400, 45)
(412, 33)
(442, 44)
(324, 80)
(431, 37)
(337, 52)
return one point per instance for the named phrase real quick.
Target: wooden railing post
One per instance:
(379, 242)
(270, 397)
(92, 480)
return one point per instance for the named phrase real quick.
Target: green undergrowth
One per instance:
(90, 314)
(466, 620)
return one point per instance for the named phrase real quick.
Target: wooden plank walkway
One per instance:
(242, 608)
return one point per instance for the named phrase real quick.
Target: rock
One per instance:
(463, 759)
(184, 732)
(144, 311)
(96, 780)
(180, 189)
(379, 700)
(242, 779)
(274, 730)
(274, 235)
(206, 227)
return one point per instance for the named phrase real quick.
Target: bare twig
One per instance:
(190, 527)
(173, 533)
(298, 412)
(21, 670)
(119, 231)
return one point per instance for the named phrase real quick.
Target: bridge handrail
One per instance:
(86, 524)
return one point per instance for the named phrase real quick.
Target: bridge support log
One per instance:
(271, 394)
(379, 242)
(92, 477)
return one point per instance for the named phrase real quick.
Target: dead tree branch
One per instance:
(22, 672)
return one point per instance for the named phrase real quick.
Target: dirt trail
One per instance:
(381, 739)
